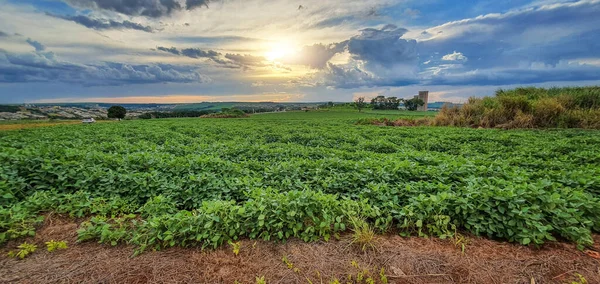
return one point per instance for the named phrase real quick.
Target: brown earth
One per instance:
(405, 260)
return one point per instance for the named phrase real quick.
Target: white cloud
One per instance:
(455, 56)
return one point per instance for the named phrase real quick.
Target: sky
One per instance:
(182, 51)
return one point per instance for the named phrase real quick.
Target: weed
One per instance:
(54, 245)
(461, 241)
(235, 247)
(288, 263)
(363, 234)
(25, 249)
(260, 280)
(581, 280)
(382, 276)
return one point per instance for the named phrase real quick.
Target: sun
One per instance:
(280, 50)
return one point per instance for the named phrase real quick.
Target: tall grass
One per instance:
(571, 107)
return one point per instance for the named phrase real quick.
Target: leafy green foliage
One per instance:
(56, 245)
(577, 107)
(413, 104)
(382, 102)
(23, 251)
(117, 112)
(194, 182)
(360, 103)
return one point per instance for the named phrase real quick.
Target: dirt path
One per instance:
(405, 260)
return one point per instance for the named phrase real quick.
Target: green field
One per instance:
(203, 182)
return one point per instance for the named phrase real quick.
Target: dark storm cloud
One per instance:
(172, 50)
(191, 4)
(191, 52)
(148, 8)
(3, 34)
(36, 44)
(198, 53)
(98, 24)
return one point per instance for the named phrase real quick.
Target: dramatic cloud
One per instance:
(191, 4)
(37, 45)
(545, 34)
(316, 56)
(533, 45)
(229, 60)
(383, 46)
(319, 48)
(148, 8)
(42, 66)
(191, 52)
(98, 24)
(455, 56)
(197, 53)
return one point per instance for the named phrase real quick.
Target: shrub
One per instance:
(527, 108)
(546, 112)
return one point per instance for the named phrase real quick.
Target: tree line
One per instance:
(388, 103)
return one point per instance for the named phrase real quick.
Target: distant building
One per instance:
(424, 96)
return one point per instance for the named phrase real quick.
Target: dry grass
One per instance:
(362, 234)
(405, 260)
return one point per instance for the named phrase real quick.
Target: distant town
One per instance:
(99, 110)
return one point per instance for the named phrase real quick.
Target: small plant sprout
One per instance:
(362, 234)
(235, 247)
(382, 276)
(289, 264)
(461, 241)
(260, 280)
(581, 280)
(25, 249)
(53, 245)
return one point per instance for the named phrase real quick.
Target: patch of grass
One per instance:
(363, 234)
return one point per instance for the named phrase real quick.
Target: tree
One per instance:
(378, 102)
(381, 102)
(413, 104)
(360, 103)
(117, 112)
(392, 103)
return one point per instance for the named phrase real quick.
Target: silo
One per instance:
(423, 95)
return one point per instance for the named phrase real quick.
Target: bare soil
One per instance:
(405, 260)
